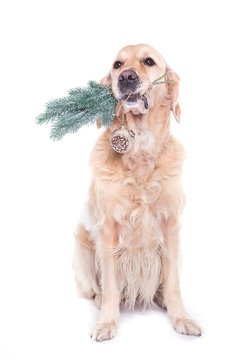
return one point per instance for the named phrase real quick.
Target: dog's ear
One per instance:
(173, 92)
(107, 80)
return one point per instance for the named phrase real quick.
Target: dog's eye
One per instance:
(148, 61)
(117, 64)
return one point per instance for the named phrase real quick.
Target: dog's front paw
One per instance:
(187, 326)
(104, 331)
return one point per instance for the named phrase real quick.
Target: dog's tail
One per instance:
(83, 237)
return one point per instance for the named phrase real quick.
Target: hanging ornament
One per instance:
(122, 140)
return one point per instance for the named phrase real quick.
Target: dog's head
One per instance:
(132, 73)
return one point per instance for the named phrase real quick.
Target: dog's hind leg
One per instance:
(84, 264)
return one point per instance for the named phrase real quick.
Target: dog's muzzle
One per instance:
(129, 83)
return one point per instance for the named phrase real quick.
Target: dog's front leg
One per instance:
(106, 325)
(182, 322)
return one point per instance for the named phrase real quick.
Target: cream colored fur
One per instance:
(130, 254)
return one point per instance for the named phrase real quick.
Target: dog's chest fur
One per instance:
(140, 244)
(140, 159)
(141, 186)
(132, 191)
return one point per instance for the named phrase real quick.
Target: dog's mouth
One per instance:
(136, 103)
(131, 99)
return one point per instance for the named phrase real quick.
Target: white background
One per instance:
(48, 47)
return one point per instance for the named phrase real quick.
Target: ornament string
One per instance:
(119, 107)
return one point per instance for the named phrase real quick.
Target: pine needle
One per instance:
(156, 82)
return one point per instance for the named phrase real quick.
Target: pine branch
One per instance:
(81, 107)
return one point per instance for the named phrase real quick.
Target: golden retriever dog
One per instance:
(129, 254)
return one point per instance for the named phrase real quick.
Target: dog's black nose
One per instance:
(128, 76)
(128, 81)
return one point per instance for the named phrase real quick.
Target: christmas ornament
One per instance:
(122, 140)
